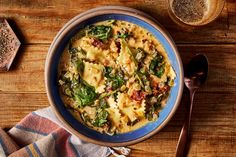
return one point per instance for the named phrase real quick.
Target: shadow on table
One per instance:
(21, 37)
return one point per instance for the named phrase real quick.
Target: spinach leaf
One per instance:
(78, 64)
(125, 46)
(107, 72)
(160, 71)
(116, 80)
(73, 50)
(152, 110)
(101, 118)
(123, 36)
(123, 33)
(100, 31)
(84, 94)
(157, 66)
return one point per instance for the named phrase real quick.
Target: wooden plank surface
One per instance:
(39, 22)
(214, 116)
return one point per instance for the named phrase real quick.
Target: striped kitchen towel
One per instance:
(41, 134)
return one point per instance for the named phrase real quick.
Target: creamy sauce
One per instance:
(128, 109)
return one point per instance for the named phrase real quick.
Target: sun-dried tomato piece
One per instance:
(98, 43)
(138, 95)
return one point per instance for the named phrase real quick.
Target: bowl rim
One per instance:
(101, 11)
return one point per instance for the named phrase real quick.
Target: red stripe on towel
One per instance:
(62, 143)
(38, 123)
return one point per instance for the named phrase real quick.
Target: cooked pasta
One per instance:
(115, 77)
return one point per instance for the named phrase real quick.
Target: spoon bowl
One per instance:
(196, 72)
(195, 75)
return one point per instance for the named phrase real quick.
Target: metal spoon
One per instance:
(195, 75)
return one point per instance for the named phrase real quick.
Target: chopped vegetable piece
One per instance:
(85, 117)
(84, 94)
(68, 92)
(107, 71)
(157, 66)
(79, 65)
(101, 118)
(100, 32)
(116, 80)
(125, 45)
(103, 104)
(108, 94)
(123, 36)
(140, 54)
(152, 110)
(123, 33)
(138, 95)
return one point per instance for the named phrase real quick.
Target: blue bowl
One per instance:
(56, 50)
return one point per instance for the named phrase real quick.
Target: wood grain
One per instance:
(213, 124)
(38, 22)
(213, 127)
(14, 106)
(27, 73)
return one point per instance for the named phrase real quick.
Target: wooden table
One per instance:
(213, 127)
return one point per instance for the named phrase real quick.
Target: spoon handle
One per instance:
(184, 135)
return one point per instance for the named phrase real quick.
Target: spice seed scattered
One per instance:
(9, 44)
(190, 11)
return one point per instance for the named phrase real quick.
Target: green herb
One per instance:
(123, 33)
(103, 95)
(101, 114)
(133, 122)
(157, 66)
(79, 65)
(151, 111)
(125, 46)
(68, 92)
(84, 94)
(100, 32)
(140, 54)
(160, 71)
(107, 72)
(139, 79)
(64, 78)
(123, 36)
(101, 118)
(103, 104)
(116, 80)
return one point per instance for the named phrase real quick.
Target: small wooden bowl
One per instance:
(215, 8)
(9, 45)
